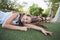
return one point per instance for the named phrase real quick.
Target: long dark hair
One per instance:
(19, 20)
(34, 19)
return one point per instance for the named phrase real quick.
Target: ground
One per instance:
(6, 34)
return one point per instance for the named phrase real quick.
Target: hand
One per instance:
(24, 28)
(46, 32)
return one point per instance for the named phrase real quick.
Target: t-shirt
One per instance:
(15, 21)
(5, 15)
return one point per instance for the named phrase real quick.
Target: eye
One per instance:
(23, 18)
(26, 19)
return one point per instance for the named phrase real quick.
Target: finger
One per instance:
(49, 33)
(45, 33)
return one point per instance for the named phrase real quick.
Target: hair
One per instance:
(34, 19)
(20, 16)
(19, 20)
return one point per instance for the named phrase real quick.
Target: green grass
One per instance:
(6, 34)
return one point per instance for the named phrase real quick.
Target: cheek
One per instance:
(21, 20)
(29, 21)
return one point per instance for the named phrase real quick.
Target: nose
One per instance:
(24, 21)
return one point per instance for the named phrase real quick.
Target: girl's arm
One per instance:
(8, 25)
(38, 28)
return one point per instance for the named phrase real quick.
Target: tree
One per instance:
(5, 5)
(57, 16)
(35, 10)
(53, 7)
(46, 12)
(9, 5)
(54, 1)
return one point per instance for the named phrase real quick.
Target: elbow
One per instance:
(4, 25)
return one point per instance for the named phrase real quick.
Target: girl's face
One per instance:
(26, 19)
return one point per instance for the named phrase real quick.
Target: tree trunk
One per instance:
(57, 16)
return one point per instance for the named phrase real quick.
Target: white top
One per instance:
(5, 15)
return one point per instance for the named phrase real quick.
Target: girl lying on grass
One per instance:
(18, 21)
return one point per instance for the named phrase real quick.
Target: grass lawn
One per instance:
(31, 34)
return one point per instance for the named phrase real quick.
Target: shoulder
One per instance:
(12, 17)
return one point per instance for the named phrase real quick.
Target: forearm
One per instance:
(40, 29)
(9, 26)
(34, 27)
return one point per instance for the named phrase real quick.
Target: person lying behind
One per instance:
(18, 21)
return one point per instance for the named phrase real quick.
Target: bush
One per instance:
(44, 15)
(35, 10)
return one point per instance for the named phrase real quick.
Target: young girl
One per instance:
(18, 21)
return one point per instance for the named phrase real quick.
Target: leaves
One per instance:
(35, 10)
(9, 5)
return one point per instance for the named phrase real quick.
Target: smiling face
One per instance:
(26, 19)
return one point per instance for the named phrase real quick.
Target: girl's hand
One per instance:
(24, 28)
(46, 32)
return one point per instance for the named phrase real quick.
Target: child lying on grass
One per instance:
(18, 21)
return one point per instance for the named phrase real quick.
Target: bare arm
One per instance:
(38, 28)
(34, 27)
(8, 25)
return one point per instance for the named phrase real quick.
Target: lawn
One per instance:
(6, 34)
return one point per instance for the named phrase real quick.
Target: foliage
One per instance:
(9, 5)
(54, 1)
(44, 15)
(5, 6)
(47, 11)
(54, 6)
(55, 10)
(35, 10)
